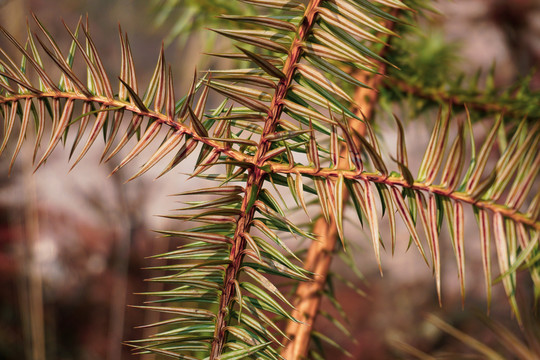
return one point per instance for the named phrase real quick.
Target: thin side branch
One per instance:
(513, 107)
(401, 182)
(156, 116)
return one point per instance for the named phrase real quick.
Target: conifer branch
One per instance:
(159, 117)
(511, 106)
(399, 181)
(309, 295)
(256, 178)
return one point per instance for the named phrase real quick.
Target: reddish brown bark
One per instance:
(320, 253)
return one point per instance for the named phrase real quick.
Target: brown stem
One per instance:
(308, 294)
(319, 257)
(399, 181)
(115, 104)
(33, 267)
(256, 179)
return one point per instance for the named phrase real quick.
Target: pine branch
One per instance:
(399, 181)
(58, 99)
(516, 105)
(320, 253)
(454, 191)
(114, 105)
(291, 102)
(256, 177)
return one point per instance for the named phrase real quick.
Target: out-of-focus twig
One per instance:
(30, 287)
(319, 257)
(31, 284)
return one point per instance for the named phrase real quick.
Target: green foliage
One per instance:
(279, 129)
(427, 73)
(185, 17)
(426, 59)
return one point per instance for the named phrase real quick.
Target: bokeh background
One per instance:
(74, 245)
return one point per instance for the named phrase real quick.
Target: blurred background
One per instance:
(74, 245)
